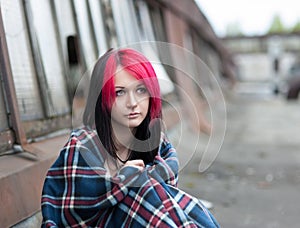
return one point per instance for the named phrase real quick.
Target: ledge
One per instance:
(21, 179)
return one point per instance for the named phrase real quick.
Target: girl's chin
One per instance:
(133, 123)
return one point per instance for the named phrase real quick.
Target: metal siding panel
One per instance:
(125, 22)
(66, 23)
(98, 25)
(86, 33)
(65, 17)
(117, 8)
(51, 58)
(21, 60)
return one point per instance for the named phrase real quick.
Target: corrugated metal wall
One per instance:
(51, 56)
(21, 60)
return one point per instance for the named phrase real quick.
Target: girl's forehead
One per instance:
(124, 78)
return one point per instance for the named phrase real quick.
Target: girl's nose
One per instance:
(131, 101)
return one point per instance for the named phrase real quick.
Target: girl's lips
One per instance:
(133, 115)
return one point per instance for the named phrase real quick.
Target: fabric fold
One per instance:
(78, 192)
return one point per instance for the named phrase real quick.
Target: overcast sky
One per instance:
(253, 16)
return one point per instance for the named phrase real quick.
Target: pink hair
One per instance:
(138, 66)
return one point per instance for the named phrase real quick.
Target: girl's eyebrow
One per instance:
(119, 87)
(123, 87)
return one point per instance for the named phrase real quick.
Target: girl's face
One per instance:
(132, 100)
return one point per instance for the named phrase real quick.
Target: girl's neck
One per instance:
(112, 166)
(123, 137)
(123, 154)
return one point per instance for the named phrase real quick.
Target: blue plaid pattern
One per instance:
(78, 192)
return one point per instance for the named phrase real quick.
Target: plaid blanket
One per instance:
(78, 192)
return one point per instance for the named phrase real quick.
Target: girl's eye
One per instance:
(120, 92)
(142, 90)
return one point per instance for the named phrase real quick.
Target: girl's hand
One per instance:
(139, 163)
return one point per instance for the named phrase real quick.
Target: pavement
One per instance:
(255, 179)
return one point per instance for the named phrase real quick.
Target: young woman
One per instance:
(119, 170)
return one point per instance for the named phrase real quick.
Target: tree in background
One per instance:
(296, 27)
(277, 25)
(234, 29)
